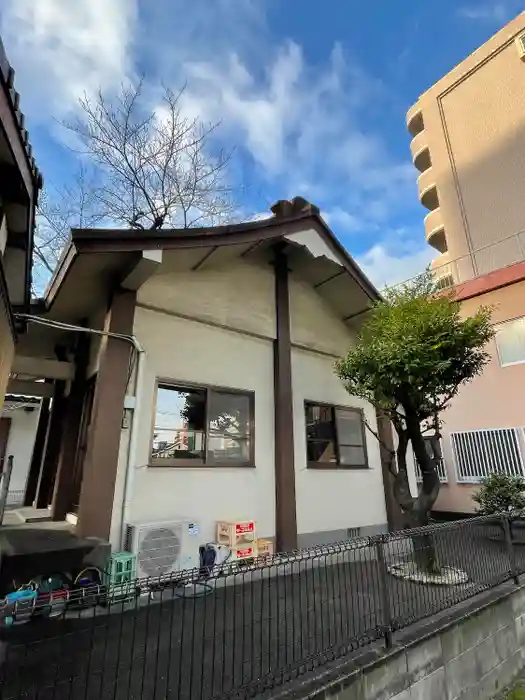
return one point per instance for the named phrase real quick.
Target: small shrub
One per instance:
(501, 493)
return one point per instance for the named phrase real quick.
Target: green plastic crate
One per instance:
(120, 575)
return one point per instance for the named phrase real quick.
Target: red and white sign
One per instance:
(241, 528)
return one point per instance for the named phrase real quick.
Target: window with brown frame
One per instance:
(202, 426)
(335, 437)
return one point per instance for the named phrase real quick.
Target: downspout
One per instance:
(129, 476)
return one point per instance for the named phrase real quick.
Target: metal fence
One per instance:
(241, 632)
(447, 273)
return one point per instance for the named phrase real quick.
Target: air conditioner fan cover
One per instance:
(159, 551)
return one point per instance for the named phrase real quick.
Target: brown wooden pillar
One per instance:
(100, 468)
(38, 453)
(62, 495)
(52, 449)
(394, 513)
(285, 504)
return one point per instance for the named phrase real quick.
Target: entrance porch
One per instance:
(63, 524)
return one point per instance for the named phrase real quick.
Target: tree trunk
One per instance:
(425, 553)
(401, 484)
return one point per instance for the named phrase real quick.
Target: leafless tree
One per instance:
(143, 167)
(74, 205)
(155, 167)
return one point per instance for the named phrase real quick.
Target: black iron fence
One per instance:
(239, 632)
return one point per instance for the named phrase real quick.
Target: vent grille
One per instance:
(352, 532)
(478, 453)
(159, 550)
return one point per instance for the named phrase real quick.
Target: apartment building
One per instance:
(468, 144)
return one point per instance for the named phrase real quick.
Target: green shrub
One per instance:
(501, 493)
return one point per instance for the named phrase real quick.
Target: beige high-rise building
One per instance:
(468, 144)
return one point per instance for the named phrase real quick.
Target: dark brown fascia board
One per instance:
(116, 240)
(145, 236)
(4, 294)
(63, 268)
(130, 240)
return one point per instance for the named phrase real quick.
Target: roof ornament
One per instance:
(285, 208)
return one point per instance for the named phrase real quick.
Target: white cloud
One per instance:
(385, 267)
(498, 12)
(340, 218)
(62, 49)
(304, 129)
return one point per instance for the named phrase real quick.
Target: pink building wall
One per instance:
(495, 399)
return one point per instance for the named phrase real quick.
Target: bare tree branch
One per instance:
(142, 167)
(154, 167)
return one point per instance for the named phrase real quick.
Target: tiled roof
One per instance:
(7, 78)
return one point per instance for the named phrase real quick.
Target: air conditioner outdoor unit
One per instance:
(162, 549)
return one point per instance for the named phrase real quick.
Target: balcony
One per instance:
(440, 261)
(491, 258)
(435, 231)
(420, 152)
(415, 120)
(428, 195)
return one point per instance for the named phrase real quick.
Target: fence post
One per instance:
(510, 549)
(380, 541)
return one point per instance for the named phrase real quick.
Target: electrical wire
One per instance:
(59, 325)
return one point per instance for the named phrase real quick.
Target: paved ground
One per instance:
(200, 648)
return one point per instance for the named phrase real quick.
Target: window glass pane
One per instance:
(179, 423)
(229, 425)
(510, 339)
(321, 451)
(352, 456)
(320, 434)
(349, 427)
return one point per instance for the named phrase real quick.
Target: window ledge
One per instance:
(512, 364)
(190, 465)
(329, 466)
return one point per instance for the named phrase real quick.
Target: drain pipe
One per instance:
(129, 476)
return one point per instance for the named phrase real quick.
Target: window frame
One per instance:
(173, 463)
(497, 327)
(337, 465)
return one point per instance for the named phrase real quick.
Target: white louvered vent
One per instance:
(478, 453)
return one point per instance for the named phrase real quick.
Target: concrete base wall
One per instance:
(315, 539)
(470, 658)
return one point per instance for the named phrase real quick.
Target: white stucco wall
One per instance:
(241, 295)
(238, 295)
(20, 444)
(332, 499)
(313, 322)
(187, 351)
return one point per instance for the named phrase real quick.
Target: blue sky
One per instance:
(313, 95)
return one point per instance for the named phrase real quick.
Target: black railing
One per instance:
(241, 632)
